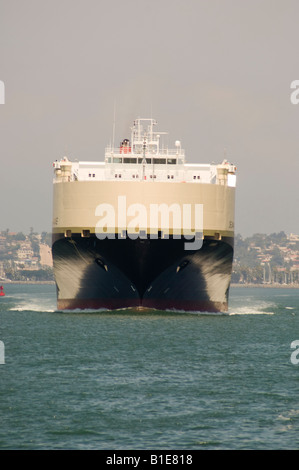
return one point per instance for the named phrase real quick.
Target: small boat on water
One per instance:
(2, 293)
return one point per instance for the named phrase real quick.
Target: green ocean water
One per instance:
(130, 380)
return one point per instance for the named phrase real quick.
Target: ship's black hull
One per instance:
(142, 273)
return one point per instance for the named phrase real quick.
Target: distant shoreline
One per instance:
(266, 286)
(2, 282)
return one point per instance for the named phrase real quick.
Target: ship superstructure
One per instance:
(143, 228)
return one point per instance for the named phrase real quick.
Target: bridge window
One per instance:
(130, 160)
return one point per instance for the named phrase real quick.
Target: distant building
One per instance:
(25, 253)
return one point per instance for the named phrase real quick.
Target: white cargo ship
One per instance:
(143, 228)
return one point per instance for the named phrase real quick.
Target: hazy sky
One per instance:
(216, 74)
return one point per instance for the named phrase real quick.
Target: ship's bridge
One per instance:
(143, 157)
(145, 147)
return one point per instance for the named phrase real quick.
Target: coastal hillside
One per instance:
(266, 259)
(260, 259)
